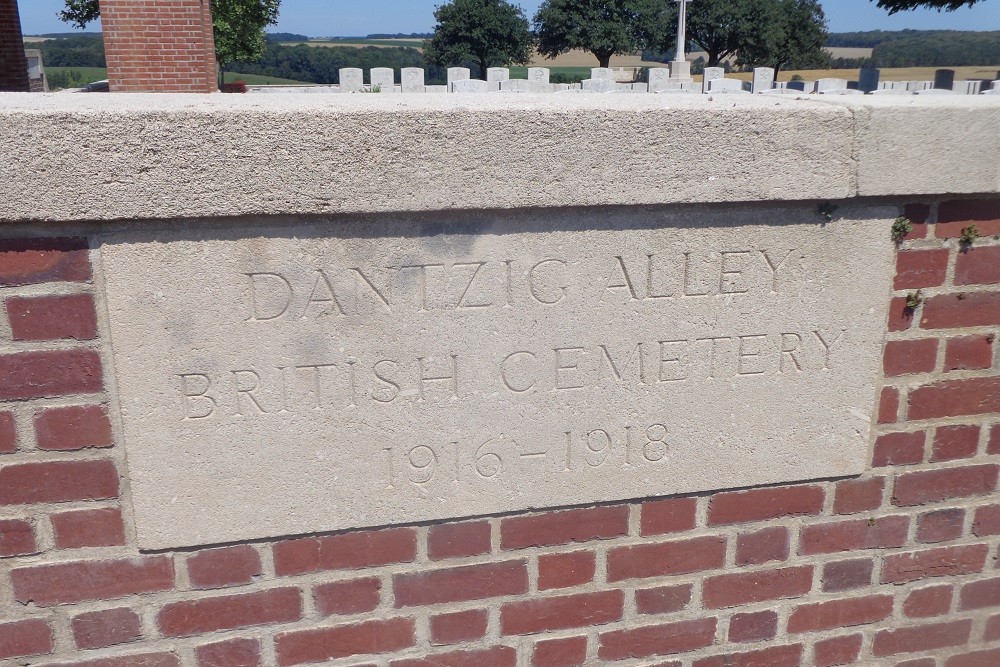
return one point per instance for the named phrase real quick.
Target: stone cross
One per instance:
(681, 29)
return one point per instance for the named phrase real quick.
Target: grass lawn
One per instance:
(78, 77)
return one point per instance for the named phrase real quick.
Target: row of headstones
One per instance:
(383, 80)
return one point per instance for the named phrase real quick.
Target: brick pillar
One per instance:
(13, 65)
(159, 47)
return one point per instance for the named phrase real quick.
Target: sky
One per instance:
(328, 18)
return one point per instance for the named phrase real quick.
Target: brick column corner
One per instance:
(159, 47)
(13, 64)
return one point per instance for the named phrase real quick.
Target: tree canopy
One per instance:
(794, 38)
(603, 27)
(489, 33)
(904, 5)
(238, 25)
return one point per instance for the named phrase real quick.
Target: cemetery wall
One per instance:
(895, 566)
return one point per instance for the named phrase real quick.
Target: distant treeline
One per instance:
(943, 48)
(75, 51)
(399, 35)
(285, 37)
(321, 64)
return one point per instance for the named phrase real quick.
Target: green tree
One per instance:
(903, 5)
(603, 27)
(238, 25)
(489, 33)
(793, 38)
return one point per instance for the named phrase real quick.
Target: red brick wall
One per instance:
(160, 47)
(897, 567)
(13, 65)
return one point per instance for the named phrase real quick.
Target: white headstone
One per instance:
(538, 75)
(602, 73)
(515, 86)
(658, 77)
(763, 79)
(599, 85)
(710, 74)
(936, 91)
(725, 86)
(843, 91)
(470, 86)
(383, 79)
(352, 79)
(412, 79)
(494, 75)
(436, 89)
(458, 74)
(890, 91)
(823, 85)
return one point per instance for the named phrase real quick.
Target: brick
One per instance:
(882, 533)
(993, 444)
(666, 558)
(48, 374)
(983, 658)
(955, 214)
(33, 261)
(52, 317)
(67, 583)
(906, 357)
(920, 638)
(8, 433)
(953, 311)
(228, 566)
(733, 590)
(763, 504)
(763, 546)
(472, 582)
(109, 627)
(554, 528)
(566, 652)
(89, 528)
(73, 428)
(900, 315)
(355, 596)
(955, 442)
(987, 521)
(978, 266)
(138, 660)
(58, 482)
(894, 449)
(918, 214)
(22, 638)
(858, 495)
(927, 602)
(931, 486)
(753, 627)
(673, 515)
(663, 599)
(888, 406)
(321, 644)
(940, 526)
(940, 562)
(17, 538)
(569, 611)
(650, 640)
(497, 656)
(980, 594)
(229, 612)
(231, 653)
(566, 570)
(992, 631)
(840, 613)
(918, 662)
(968, 353)
(920, 268)
(349, 551)
(777, 656)
(458, 540)
(837, 651)
(847, 575)
(459, 626)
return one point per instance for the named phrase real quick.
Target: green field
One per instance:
(77, 77)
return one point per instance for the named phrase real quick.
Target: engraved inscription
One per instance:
(320, 377)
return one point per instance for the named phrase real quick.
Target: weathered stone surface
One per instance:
(293, 379)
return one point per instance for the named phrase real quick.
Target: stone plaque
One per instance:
(298, 379)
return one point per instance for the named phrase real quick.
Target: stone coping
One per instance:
(98, 157)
